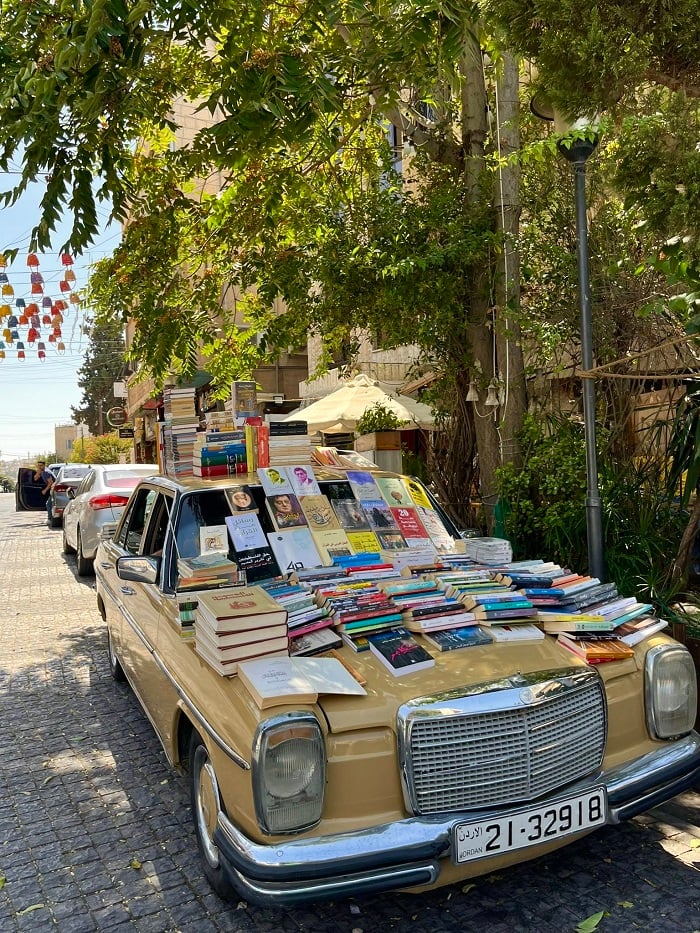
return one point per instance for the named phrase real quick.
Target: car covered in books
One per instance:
(334, 691)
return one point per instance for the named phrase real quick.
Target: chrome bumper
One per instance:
(407, 853)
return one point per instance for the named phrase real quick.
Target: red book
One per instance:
(262, 439)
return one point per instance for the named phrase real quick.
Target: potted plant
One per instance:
(378, 429)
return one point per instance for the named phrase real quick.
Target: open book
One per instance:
(283, 681)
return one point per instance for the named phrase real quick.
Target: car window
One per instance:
(122, 479)
(198, 511)
(86, 483)
(154, 539)
(132, 528)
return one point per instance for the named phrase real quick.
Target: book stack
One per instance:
(219, 453)
(424, 606)
(595, 648)
(207, 570)
(507, 608)
(315, 642)
(488, 550)
(179, 430)
(358, 608)
(186, 617)
(233, 625)
(304, 614)
(289, 443)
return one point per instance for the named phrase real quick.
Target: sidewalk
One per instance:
(96, 833)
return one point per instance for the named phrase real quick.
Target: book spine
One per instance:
(263, 445)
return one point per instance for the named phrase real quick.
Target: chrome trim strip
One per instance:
(309, 868)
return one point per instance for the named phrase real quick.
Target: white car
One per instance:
(95, 507)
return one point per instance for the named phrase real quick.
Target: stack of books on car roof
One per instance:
(304, 615)
(179, 430)
(219, 453)
(236, 624)
(289, 443)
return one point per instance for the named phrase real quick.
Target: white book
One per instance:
(294, 549)
(303, 480)
(246, 531)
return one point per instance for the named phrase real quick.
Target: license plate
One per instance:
(532, 826)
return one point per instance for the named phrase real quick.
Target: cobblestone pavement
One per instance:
(95, 830)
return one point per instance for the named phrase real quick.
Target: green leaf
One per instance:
(590, 923)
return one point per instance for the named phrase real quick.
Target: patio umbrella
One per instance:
(338, 412)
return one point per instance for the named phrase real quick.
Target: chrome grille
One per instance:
(506, 742)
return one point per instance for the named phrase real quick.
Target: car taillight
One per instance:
(60, 487)
(108, 502)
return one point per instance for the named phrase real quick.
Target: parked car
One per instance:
(95, 507)
(54, 468)
(68, 477)
(492, 756)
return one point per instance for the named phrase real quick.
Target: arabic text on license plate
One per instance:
(562, 817)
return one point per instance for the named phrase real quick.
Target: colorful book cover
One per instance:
(394, 491)
(274, 480)
(350, 515)
(363, 484)
(363, 542)
(303, 480)
(246, 531)
(410, 526)
(391, 540)
(332, 543)
(437, 532)
(418, 494)
(319, 514)
(213, 539)
(285, 511)
(449, 639)
(241, 499)
(399, 651)
(379, 515)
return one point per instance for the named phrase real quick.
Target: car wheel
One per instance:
(206, 805)
(67, 548)
(83, 565)
(115, 667)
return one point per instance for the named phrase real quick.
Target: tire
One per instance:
(206, 805)
(115, 667)
(83, 565)
(67, 548)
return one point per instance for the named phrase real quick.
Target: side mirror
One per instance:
(70, 492)
(139, 569)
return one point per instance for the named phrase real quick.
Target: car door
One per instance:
(28, 496)
(140, 606)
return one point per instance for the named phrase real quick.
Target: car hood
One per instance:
(453, 669)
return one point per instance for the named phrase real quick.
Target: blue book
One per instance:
(449, 639)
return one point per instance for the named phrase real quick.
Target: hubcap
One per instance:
(206, 803)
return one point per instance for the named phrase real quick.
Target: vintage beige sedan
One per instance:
(494, 755)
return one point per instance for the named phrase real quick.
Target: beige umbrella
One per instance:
(339, 411)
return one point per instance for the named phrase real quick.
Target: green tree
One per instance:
(102, 366)
(107, 448)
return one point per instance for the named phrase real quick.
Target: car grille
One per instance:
(503, 742)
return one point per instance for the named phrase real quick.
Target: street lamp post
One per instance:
(577, 150)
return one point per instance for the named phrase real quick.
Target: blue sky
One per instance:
(34, 395)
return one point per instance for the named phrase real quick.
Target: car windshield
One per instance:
(74, 472)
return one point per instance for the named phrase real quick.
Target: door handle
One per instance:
(127, 590)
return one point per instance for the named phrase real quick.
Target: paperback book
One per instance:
(285, 511)
(285, 681)
(394, 491)
(467, 637)
(294, 549)
(399, 652)
(319, 514)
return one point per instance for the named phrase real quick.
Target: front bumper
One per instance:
(407, 853)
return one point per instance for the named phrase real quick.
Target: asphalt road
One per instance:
(95, 829)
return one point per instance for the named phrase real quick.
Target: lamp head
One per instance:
(578, 138)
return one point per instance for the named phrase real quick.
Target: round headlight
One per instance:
(288, 768)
